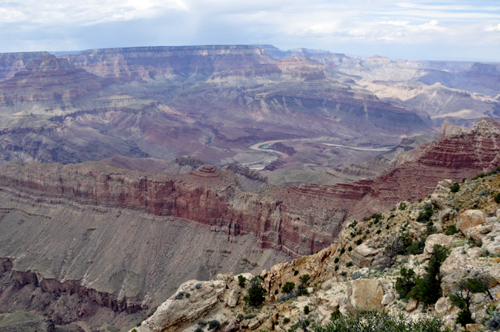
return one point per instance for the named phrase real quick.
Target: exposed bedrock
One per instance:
(69, 262)
(297, 220)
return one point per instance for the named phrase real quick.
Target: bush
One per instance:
(250, 316)
(382, 321)
(179, 296)
(463, 298)
(256, 292)
(335, 315)
(455, 187)
(134, 330)
(202, 323)
(497, 198)
(288, 288)
(336, 260)
(306, 310)
(242, 281)
(198, 329)
(348, 264)
(451, 230)
(286, 320)
(240, 317)
(428, 288)
(402, 206)
(494, 321)
(425, 215)
(405, 283)
(304, 279)
(214, 325)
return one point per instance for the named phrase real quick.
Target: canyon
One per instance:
(127, 171)
(112, 240)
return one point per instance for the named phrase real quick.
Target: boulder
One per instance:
(447, 214)
(478, 232)
(366, 294)
(179, 310)
(363, 256)
(432, 240)
(470, 218)
(326, 285)
(232, 296)
(412, 305)
(233, 326)
(455, 262)
(443, 306)
(474, 327)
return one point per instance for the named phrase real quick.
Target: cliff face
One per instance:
(207, 196)
(297, 220)
(152, 61)
(48, 78)
(11, 63)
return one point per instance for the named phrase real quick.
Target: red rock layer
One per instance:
(298, 220)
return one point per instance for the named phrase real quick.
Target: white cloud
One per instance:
(41, 24)
(88, 12)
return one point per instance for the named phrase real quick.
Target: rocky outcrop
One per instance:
(290, 151)
(48, 78)
(281, 218)
(11, 63)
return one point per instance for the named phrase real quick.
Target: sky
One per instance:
(445, 30)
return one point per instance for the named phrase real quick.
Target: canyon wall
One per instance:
(298, 220)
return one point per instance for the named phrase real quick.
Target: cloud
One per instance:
(323, 24)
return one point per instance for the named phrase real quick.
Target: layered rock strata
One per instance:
(297, 220)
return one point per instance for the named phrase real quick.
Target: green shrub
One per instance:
(198, 329)
(342, 251)
(256, 293)
(402, 206)
(289, 286)
(240, 317)
(242, 281)
(306, 310)
(452, 230)
(304, 279)
(134, 330)
(494, 321)
(202, 323)
(382, 321)
(295, 273)
(250, 316)
(276, 292)
(405, 283)
(497, 198)
(358, 242)
(349, 249)
(455, 187)
(286, 320)
(348, 264)
(428, 288)
(425, 215)
(336, 260)
(335, 315)
(214, 325)
(462, 299)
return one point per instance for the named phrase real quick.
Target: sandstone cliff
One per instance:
(349, 277)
